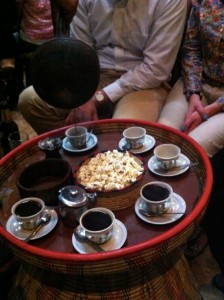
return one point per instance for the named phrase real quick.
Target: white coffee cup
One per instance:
(167, 155)
(156, 196)
(28, 212)
(135, 136)
(77, 136)
(98, 223)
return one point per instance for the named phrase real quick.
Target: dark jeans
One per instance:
(213, 221)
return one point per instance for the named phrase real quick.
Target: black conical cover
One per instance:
(65, 72)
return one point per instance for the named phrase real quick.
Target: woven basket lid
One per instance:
(65, 72)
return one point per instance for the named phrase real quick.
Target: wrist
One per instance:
(103, 104)
(190, 93)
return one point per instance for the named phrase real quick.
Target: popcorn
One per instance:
(110, 170)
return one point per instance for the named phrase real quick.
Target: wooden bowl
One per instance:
(44, 178)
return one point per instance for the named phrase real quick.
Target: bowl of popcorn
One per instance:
(112, 175)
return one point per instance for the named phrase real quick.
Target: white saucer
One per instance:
(148, 144)
(92, 141)
(115, 242)
(182, 160)
(177, 204)
(13, 227)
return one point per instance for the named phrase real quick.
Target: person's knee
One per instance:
(144, 104)
(25, 101)
(22, 102)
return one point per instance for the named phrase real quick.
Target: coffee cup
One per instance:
(156, 196)
(97, 224)
(167, 155)
(28, 212)
(77, 136)
(134, 136)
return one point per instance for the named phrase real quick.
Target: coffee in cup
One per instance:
(167, 155)
(77, 136)
(28, 212)
(98, 224)
(156, 196)
(134, 136)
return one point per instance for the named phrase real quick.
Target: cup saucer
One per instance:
(91, 142)
(177, 204)
(115, 242)
(181, 161)
(13, 227)
(149, 143)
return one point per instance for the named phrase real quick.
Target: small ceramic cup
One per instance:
(135, 136)
(156, 196)
(51, 146)
(77, 136)
(167, 155)
(98, 224)
(28, 212)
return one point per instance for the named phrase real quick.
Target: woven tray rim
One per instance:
(130, 250)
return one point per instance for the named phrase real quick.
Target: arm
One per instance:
(192, 56)
(19, 8)
(86, 112)
(80, 27)
(67, 9)
(192, 71)
(154, 40)
(63, 12)
(159, 53)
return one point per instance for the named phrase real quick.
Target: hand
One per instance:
(67, 9)
(195, 119)
(196, 114)
(84, 113)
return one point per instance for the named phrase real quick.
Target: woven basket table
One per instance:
(150, 265)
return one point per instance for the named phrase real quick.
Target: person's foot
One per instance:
(218, 282)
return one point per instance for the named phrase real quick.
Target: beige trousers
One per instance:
(209, 134)
(143, 105)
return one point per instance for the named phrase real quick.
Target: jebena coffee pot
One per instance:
(73, 202)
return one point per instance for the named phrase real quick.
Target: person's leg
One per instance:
(144, 105)
(175, 108)
(41, 116)
(210, 134)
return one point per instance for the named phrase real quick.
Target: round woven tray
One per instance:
(153, 269)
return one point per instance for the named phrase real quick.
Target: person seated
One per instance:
(35, 25)
(8, 51)
(137, 45)
(38, 23)
(195, 106)
(195, 103)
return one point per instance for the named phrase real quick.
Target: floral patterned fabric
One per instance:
(203, 49)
